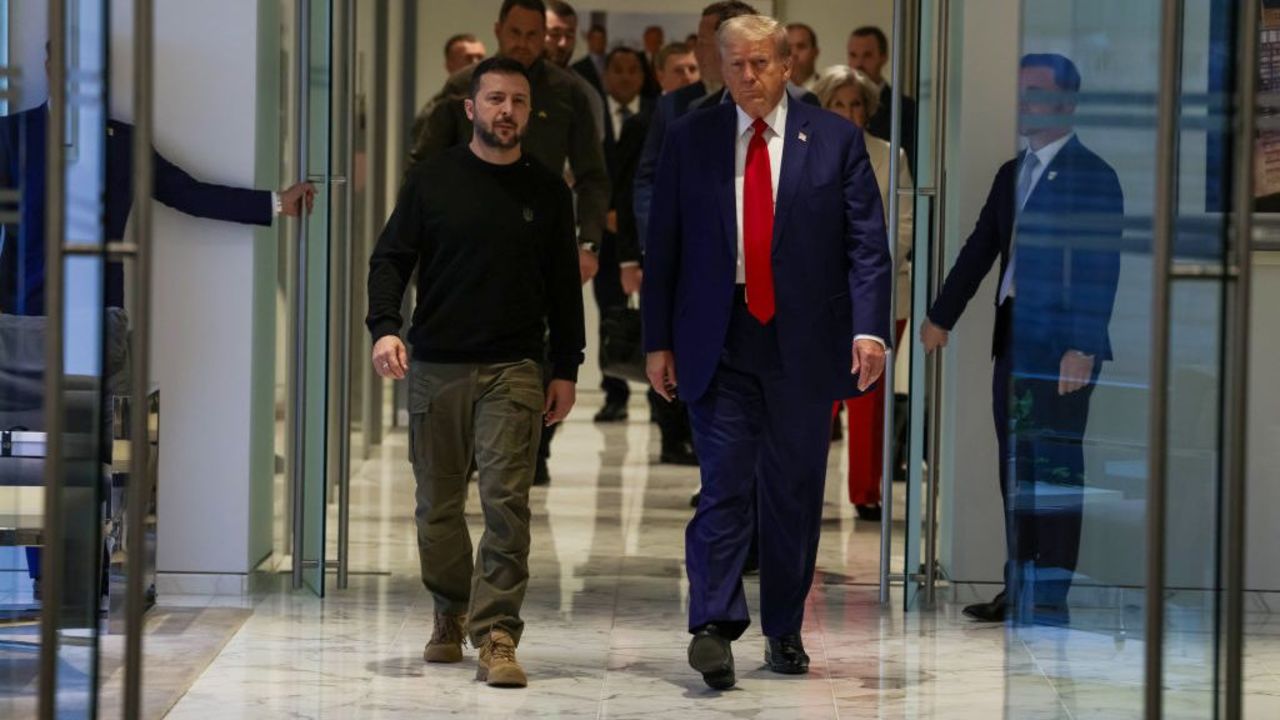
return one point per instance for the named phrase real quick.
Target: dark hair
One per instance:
(561, 9)
(495, 66)
(651, 28)
(508, 5)
(598, 28)
(624, 50)
(460, 37)
(727, 10)
(813, 36)
(875, 32)
(1065, 74)
(663, 55)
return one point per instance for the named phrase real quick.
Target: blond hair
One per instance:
(836, 77)
(754, 28)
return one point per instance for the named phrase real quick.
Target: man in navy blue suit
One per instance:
(1065, 205)
(766, 291)
(22, 167)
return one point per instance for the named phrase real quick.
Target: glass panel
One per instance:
(26, 587)
(317, 299)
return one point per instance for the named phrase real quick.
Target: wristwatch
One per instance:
(590, 246)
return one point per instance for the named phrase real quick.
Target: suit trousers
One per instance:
(606, 286)
(762, 438)
(1041, 441)
(492, 413)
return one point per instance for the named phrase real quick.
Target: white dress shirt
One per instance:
(615, 114)
(1044, 156)
(775, 142)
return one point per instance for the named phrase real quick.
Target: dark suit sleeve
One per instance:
(662, 252)
(441, 127)
(177, 189)
(1095, 265)
(981, 250)
(565, 322)
(628, 241)
(586, 159)
(393, 260)
(643, 194)
(867, 245)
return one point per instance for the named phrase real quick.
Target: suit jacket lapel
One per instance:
(726, 141)
(795, 150)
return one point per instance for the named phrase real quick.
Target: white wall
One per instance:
(205, 65)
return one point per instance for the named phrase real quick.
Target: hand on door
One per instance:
(294, 197)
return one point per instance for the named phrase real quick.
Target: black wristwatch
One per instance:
(590, 246)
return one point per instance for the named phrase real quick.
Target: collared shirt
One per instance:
(616, 118)
(1044, 156)
(773, 135)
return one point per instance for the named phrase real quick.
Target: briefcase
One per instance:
(621, 344)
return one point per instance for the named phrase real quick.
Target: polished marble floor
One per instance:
(605, 624)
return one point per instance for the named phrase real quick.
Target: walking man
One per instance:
(491, 231)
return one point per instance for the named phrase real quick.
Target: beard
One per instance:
(490, 138)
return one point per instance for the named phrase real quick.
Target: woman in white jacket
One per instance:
(852, 95)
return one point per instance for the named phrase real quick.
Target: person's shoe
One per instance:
(679, 454)
(497, 664)
(541, 475)
(695, 499)
(786, 655)
(870, 513)
(991, 612)
(445, 645)
(613, 411)
(711, 655)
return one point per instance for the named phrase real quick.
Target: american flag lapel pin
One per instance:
(804, 137)
(1053, 174)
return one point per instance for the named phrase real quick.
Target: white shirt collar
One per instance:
(776, 119)
(615, 107)
(1047, 153)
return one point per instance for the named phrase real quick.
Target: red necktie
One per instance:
(757, 225)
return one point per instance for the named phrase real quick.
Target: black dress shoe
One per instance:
(613, 411)
(992, 612)
(711, 655)
(679, 454)
(786, 655)
(870, 513)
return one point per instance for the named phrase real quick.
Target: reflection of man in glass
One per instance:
(1068, 206)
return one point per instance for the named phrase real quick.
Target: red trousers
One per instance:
(866, 440)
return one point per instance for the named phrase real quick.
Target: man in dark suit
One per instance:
(869, 52)
(767, 284)
(22, 167)
(1066, 207)
(591, 67)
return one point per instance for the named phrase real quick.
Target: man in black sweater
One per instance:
(491, 232)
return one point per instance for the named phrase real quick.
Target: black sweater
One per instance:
(497, 264)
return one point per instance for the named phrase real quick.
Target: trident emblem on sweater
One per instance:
(528, 214)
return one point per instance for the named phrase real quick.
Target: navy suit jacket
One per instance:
(831, 266)
(22, 152)
(1068, 268)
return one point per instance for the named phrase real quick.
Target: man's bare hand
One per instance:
(561, 395)
(1074, 372)
(293, 198)
(588, 265)
(932, 336)
(868, 362)
(390, 360)
(661, 368)
(632, 278)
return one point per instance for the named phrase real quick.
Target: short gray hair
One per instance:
(838, 76)
(754, 28)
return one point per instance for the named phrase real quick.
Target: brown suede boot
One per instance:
(445, 645)
(497, 664)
